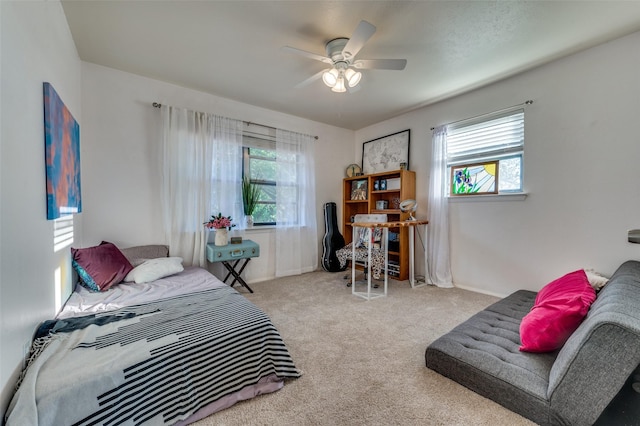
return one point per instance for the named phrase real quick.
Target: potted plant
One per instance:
(250, 195)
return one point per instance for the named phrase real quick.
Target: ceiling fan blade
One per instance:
(363, 32)
(309, 80)
(311, 55)
(381, 64)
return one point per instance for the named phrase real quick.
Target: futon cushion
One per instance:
(482, 354)
(100, 267)
(558, 310)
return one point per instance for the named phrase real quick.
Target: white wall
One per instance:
(580, 161)
(36, 47)
(580, 170)
(121, 165)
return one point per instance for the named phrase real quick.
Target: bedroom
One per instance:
(581, 146)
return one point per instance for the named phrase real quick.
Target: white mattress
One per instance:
(83, 301)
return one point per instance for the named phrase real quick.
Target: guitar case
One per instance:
(332, 241)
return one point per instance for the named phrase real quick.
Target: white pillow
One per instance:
(154, 269)
(596, 279)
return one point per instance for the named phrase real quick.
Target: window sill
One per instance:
(259, 228)
(516, 196)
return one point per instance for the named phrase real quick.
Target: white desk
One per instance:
(385, 239)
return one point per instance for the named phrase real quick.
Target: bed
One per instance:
(169, 351)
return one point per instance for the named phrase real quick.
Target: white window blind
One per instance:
(493, 136)
(498, 136)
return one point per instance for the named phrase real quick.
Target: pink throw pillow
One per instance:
(559, 309)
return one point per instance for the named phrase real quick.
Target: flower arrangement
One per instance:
(219, 222)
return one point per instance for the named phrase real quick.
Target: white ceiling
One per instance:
(232, 48)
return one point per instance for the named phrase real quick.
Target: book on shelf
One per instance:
(359, 189)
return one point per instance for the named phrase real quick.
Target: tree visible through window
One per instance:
(260, 168)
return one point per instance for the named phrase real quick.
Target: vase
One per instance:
(222, 237)
(248, 220)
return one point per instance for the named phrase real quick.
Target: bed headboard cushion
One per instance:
(138, 254)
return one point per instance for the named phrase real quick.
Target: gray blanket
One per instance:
(155, 364)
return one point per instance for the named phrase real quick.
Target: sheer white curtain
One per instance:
(201, 171)
(296, 228)
(438, 258)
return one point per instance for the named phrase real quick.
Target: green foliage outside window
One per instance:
(262, 174)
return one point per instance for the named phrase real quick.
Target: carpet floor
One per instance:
(362, 362)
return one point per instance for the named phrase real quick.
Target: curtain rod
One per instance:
(529, 102)
(248, 123)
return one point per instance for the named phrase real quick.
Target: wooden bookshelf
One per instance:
(399, 185)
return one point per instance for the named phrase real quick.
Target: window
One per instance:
(283, 175)
(260, 167)
(498, 137)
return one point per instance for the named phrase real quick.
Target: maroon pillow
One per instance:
(100, 267)
(559, 309)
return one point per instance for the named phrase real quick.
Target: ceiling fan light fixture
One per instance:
(330, 78)
(353, 77)
(341, 56)
(339, 86)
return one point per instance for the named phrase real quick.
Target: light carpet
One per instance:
(363, 361)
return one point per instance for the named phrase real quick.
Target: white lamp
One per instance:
(409, 206)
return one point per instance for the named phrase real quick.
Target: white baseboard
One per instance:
(476, 290)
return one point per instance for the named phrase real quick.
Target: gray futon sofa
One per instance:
(571, 386)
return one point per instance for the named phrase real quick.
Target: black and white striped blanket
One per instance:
(155, 363)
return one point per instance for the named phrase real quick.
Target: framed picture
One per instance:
(359, 189)
(474, 179)
(62, 156)
(386, 153)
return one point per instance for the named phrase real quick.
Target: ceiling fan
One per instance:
(341, 53)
